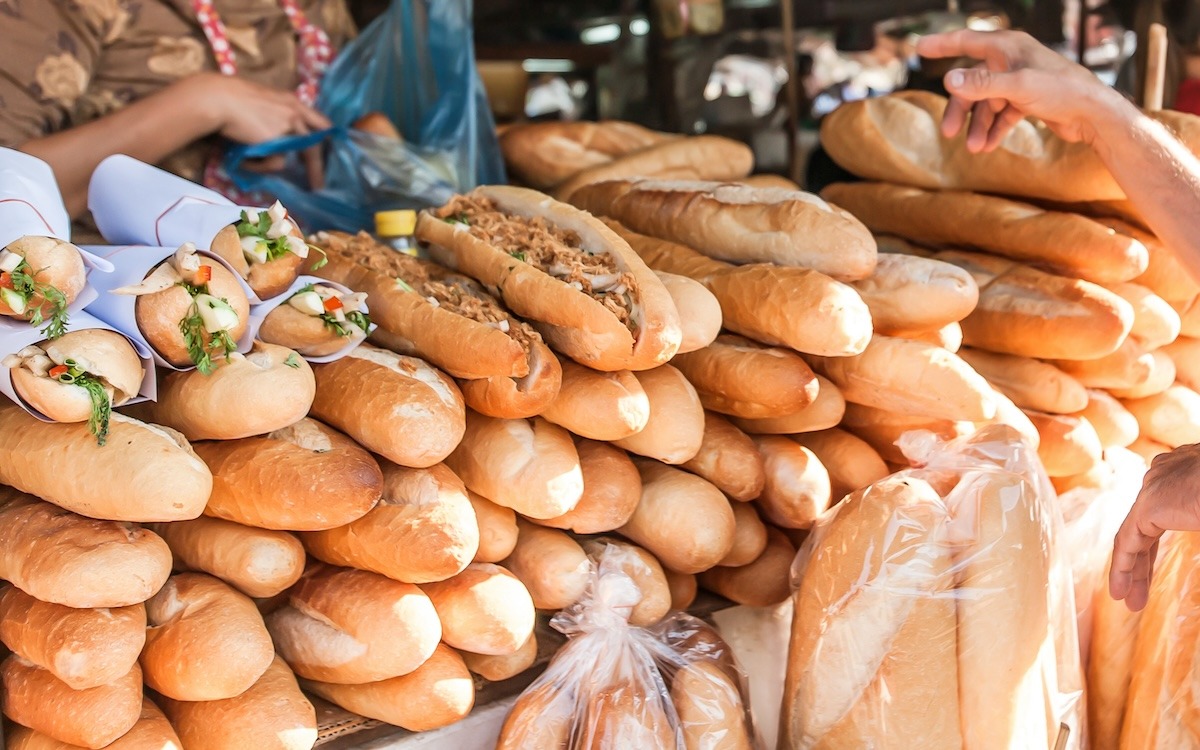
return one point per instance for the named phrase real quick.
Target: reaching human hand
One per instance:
(1017, 77)
(248, 112)
(1169, 500)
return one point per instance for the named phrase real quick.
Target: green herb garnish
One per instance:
(459, 218)
(404, 285)
(360, 319)
(192, 328)
(518, 254)
(323, 260)
(292, 361)
(101, 404)
(29, 288)
(277, 247)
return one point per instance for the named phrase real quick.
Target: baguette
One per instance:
(702, 157)
(528, 465)
(681, 519)
(599, 405)
(793, 307)
(258, 562)
(699, 311)
(644, 570)
(909, 293)
(850, 461)
(271, 715)
(1148, 449)
(948, 337)
(1155, 322)
(1030, 384)
(728, 459)
(798, 488)
(380, 398)
(611, 488)
(1185, 352)
(92, 718)
(742, 378)
(1064, 243)
(85, 648)
(881, 429)
(1165, 275)
(542, 718)
(146, 473)
(485, 610)
(517, 398)
(350, 626)
(683, 589)
(1128, 367)
(497, 529)
(438, 693)
(151, 732)
(769, 180)
(274, 234)
(317, 321)
(711, 713)
(423, 529)
(824, 412)
(628, 712)
(254, 478)
(675, 430)
(552, 565)
(1171, 417)
(56, 276)
(1162, 377)
(500, 668)
(1109, 668)
(543, 154)
(252, 394)
(1189, 316)
(1069, 444)
(749, 537)
(204, 641)
(59, 557)
(763, 582)
(591, 297)
(738, 223)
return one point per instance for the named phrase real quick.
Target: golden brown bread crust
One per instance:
(485, 610)
(1155, 322)
(850, 461)
(599, 405)
(110, 356)
(552, 565)
(646, 573)
(611, 488)
(92, 718)
(159, 314)
(883, 428)
(543, 154)
(151, 732)
(699, 311)
(52, 262)
(517, 398)
(266, 280)
(797, 489)
(260, 563)
(711, 710)
(305, 334)
(675, 430)
(500, 668)
(1171, 417)
(749, 537)
(1069, 444)
(728, 459)
(1030, 383)
(763, 582)
(1162, 376)
(497, 529)
(684, 521)
(910, 293)
(737, 376)
(1129, 366)
(824, 412)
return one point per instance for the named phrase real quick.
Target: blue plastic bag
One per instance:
(415, 64)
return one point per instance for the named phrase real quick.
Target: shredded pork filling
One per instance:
(550, 249)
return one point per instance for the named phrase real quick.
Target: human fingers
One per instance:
(995, 47)
(1142, 576)
(982, 118)
(955, 116)
(1008, 119)
(314, 119)
(978, 84)
(1129, 571)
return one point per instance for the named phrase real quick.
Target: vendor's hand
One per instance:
(1170, 499)
(248, 112)
(1018, 77)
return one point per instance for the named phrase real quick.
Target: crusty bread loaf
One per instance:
(948, 337)
(675, 430)
(1127, 367)
(160, 315)
(258, 562)
(712, 714)
(749, 537)
(1162, 376)
(93, 718)
(1109, 668)
(350, 626)
(1069, 444)
(728, 459)
(1171, 417)
(66, 559)
(485, 610)
(1031, 384)
(423, 529)
(627, 712)
(684, 521)
(1155, 322)
(699, 310)
(743, 378)
(850, 461)
(157, 476)
(1165, 275)
(552, 565)
(497, 529)
(381, 398)
(611, 488)
(254, 479)
(1069, 244)
(1148, 449)
(204, 640)
(151, 732)
(1189, 315)
(883, 428)
(683, 588)
(909, 293)
(266, 280)
(763, 582)
(438, 693)
(704, 157)
(644, 570)
(738, 223)
(599, 405)
(824, 412)
(106, 355)
(1185, 351)
(500, 668)
(798, 488)
(543, 154)
(1011, 415)
(271, 715)
(85, 648)
(517, 398)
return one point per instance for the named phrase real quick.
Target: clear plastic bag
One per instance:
(934, 609)
(613, 686)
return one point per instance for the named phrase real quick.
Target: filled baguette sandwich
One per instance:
(317, 321)
(265, 247)
(544, 154)
(39, 278)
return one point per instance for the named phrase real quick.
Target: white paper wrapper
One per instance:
(15, 336)
(131, 263)
(259, 313)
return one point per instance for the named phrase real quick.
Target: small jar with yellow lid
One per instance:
(395, 228)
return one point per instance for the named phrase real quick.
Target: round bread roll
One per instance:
(910, 293)
(611, 489)
(1171, 417)
(529, 465)
(51, 262)
(710, 708)
(272, 715)
(675, 430)
(749, 539)
(683, 589)
(644, 570)
(151, 732)
(798, 488)
(267, 280)
(743, 378)
(440, 692)
(599, 405)
(258, 562)
(423, 529)
(1069, 444)
(254, 479)
(350, 626)
(763, 582)
(826, 411)
(105, 354)
(267, 389)
(59, 557)
(1115, 426)
(552, 565)
(684, 521)
(699, 311)
(485, 610)
(1155, 322)
(497, 529)
(93, 718)
(499, 668)
(205, 641)
(851, 461)
(85, 648)
(728, 459)
(1162, 376)
(159, 314)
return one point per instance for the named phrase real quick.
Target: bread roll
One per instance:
(541, 718)
(883, 428)
(745, 379)
(681, 519)
(258, 562)
(380, 398)
(485, 609)
(728, 459)
(702, 157)
(1185, 352)
(66, 559)
(1030, 384)
(52, 262)
(1162, 377)
(1115, 426)
(1128, 367)
(739, 224)
(824, 412)
(625, 714)
(1148, 449)
(543, 154)
(710, 709)
(948, 337)
(93, 718)
(85, 648)
(644, 570)
(850, 461)
(611, 489)
(151, 732)
(1189, 315)
(675, 430)
(1011, 415)
(1069, 444)
(599, 405)
(252, 394)
(500, 668)
(908, 293)
(440, 692)
(204, 641)
(763, 582)
(699, 310)
(271, 715)
(423, 529)
(1165, 276)
(683, 589)
(1171, 417)
(350, 626)
(517, 398)
(254, 479)
(497, 529)
(798, 488)
(553, 567)
(1109, 667)
(144, 473)
(1155, 322)
(529, 465)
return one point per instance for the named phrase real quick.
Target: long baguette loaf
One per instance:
(743, 378)
(1165, 275)
(151, 732)
(739, 224)
(485, 610)
(1114, 425)
(763, 582)
(749, 536)
(704, 157)
(1155, 322)
(500, 668)
(144, 473)
(1109, 668)
(798, 488)
(824, 412)
(258, 562)
(881, 429)
(1185, 352)
(728, 459)
(710, 706)
(699, 310)
(675, 430)
(497, 529)
(1162, 376)
(850, 461)
(517, 398)
(599, 405)
(1069, 444)
(646, 572)
(552, 565)
(1129, 366)
(684, 521)
(66, 559)
(948, 337)
(91, 718)
(1065, 243)
(1030, 384)
(1171, 417)
(611, 488)
(910, 293)
(543, 154)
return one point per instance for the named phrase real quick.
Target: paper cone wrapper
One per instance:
(30, 203)
(131, 264)
(259, 313)
(14, 337)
